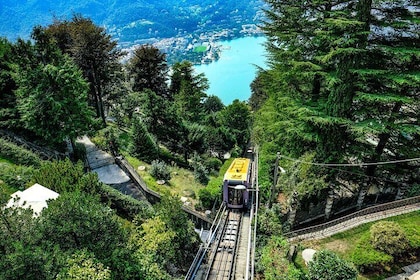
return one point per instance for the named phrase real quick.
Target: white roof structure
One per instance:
(34, 197)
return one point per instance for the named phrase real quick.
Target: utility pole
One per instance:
(276, 172)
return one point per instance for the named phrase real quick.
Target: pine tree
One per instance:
(343, 74)
(144, 146)
(94, 52)
(148, 68)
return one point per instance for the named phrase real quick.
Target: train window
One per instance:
(235, 196)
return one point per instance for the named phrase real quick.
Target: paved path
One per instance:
(356, 222)
(103, 164)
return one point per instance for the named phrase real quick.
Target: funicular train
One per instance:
(236, 184)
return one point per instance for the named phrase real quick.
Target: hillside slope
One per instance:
(130, 20)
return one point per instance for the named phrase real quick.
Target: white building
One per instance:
(35, 197)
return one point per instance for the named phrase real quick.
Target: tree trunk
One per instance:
(383, 140)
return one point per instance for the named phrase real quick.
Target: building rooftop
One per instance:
(35, 197)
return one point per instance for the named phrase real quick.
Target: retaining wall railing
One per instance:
(43, 152)
(360, 213)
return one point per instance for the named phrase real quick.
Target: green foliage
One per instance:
(148, 68)
(334, 82)
(273, 263)
(60, 176)
(237, 118)
(366, 258)
(52, 101)
(125, 205)
(17, 177)
(18, 155)
(166, 241)
(74, 220)
(94, 52)
(8, 113)
(200, 171)
(326, 265)
(269, 223)
(213, 104)
(83, 265)
(302, 178)
(389, 238)
(143, 144)
(213, 164)
(188, 90)
(186, 241)
(213, 191)
(160, 170)
(414, 190)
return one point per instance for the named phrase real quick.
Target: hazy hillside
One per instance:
(130, 20)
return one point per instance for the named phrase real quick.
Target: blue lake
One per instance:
(230, 77)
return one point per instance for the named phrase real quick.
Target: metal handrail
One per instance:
(363, 212)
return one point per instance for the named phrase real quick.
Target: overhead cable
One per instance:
(351, 164)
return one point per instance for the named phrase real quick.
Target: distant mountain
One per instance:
(131, 20)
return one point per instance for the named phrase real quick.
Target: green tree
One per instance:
(83, 265)
(52, 101)
(77, 220)
(143, 145)
(60, 176)
(148, 68)
(388, 237)
(339, 85)
(9, 117)
(326, 265)
(273, 263)
(185, 241)
(212, 104)
(93, 51)
(237, 118)
(188, 90)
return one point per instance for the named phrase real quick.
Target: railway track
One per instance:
(221, 262)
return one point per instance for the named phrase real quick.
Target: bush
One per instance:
(201, 174)
(366, 258)
(326, 265)
(213, 190)
(18, 155)
(16, 177)
(143, 145)
(160, 170)
(389, 238)
(213, 164)
(273, 263)
(126, 206)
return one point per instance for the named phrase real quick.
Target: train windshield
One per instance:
(236, 195)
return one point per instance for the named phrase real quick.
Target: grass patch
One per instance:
(200, 49)
(181, 184)
(354, 243)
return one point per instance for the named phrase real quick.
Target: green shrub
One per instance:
(201, 174)
(366, 258)
(17, 177)
(125, 205)
(213, 164)
(213, 190)
(160, 170)
(327, 265)
(389, 238)
(18, 155)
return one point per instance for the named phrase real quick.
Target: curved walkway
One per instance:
(354, 222)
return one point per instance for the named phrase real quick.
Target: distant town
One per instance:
(199, 48)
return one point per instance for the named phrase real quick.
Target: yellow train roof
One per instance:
(238, 169)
